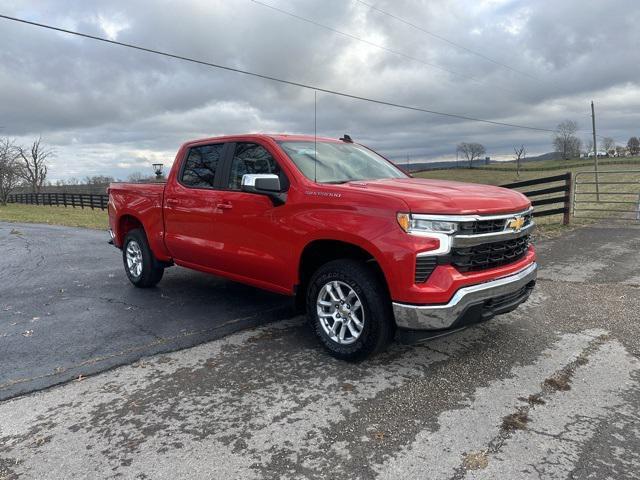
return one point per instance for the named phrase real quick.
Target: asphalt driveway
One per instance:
(67, 308)
(551, 390)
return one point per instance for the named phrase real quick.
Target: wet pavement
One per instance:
(551, 390)
(67, 308)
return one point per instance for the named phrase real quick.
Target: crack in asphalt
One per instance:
(134, 319)
(623, 427)
(111, 300)
(495, 445)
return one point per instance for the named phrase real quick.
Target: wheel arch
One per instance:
(321, 251)
(126, 223)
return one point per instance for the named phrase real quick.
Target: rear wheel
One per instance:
(142, 268)
(349, 309)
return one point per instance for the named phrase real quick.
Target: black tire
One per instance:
(151, 270)
(377, 326)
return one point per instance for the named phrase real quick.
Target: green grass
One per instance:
(499, 177)
(71, 217)
(604, 164)
(609, 192)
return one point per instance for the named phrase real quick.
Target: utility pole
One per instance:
(595, 149)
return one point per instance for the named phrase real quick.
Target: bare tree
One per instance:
(588, 145)
(609, 145)
(34, 164)
(98, 180)
(565, 141)
(139, 177)
(633, 146)
(471, 151)
(9, 169)
(520, 152)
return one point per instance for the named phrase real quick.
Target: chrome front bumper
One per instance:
(473, 301)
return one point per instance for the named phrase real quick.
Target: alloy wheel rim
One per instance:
(340, 312)
(134, 258)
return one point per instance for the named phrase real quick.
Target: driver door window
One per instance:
(251, 158)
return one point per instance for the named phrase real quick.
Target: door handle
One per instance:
(172, 201)
(224, 206)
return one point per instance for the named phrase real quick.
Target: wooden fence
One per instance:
(82, 200)
(547, 197)
(539, 197)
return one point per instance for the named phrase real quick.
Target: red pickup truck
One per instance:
(370, 252)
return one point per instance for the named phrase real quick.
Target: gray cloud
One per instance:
(110, 110)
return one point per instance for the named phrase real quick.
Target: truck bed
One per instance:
(142, 201)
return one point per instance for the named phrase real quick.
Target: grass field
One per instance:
(72, 217)
(617, 200)
(493, 177)
(604, 163)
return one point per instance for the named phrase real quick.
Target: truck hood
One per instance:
(446, 197)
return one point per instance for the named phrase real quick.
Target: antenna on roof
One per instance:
(346, 139)
(315, 136)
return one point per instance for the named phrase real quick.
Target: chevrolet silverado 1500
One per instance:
(370, 252)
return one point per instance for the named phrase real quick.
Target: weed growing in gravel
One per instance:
(515, 421)
(559, 382)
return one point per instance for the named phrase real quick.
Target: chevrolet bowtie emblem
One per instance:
(516, 224)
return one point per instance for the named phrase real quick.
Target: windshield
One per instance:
(339, 162)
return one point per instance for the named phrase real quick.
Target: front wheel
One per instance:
(349, 309)
(142, 269)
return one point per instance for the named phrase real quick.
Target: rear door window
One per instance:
(201, 165)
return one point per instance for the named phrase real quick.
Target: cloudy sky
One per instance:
(110, 110)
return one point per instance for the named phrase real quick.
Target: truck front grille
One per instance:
(478, 227)
(424, 267)
(489, 255)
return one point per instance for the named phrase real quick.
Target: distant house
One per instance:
(621, 152)
(601, 154)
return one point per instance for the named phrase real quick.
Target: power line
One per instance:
(362, 40)
(376, 45)
(273, 79)
(446, 40)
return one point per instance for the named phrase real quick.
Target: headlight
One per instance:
(419, 224)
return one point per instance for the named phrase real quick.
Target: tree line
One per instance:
(565, 143)
(28, 167)
(568, 145)
(135, 177)
(22, 166)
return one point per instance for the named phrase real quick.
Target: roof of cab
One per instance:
(278, 137)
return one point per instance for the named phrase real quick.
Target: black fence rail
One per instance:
(546, 197)
(81, 200)
(539, 197)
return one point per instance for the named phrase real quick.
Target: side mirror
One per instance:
(264, 184)
(261, 183)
